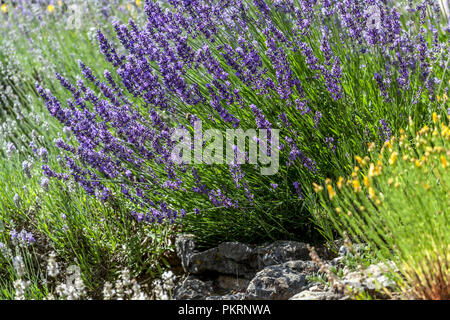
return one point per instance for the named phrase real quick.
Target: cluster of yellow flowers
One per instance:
(429, 144)
(50, 7)
(130, 7)
(444, 97)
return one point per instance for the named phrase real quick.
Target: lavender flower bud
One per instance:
(19, 266)
(26, 166)
(52, 265)
(10, 149)
(17, 200)
(44, 183)
(43, 153)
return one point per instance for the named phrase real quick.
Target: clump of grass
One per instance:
(98, 239)
(397, 201)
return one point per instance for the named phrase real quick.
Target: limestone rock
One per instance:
(193, 288)
(232, 296)
(277, 282)
(282, 251)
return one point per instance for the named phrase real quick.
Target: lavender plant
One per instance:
(330, 75)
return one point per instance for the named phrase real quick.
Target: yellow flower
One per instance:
(378, 170)
(60, 3)
(444, 162)
(50, 8)
(393, 158)
(339, 183)
(424, 130)
(438, 149)
(331, 192)
(444, 97)
(129, 7)
(356, 185)
(371, 193)
(371, 170)
(4, 8)
(405, 157)
(359, 159)
(138, 3)
(435, 117)
(435, 132)
(390, 181)
(338, 210)
(417, 163)
(366, 181)
(317, 188)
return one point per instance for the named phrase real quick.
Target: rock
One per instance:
(236, 258)
(232, 296)
(282, 251)
(230, 283)
(201, 262)
(371, 280)
(185, 245)
(306, 267)
(193, 288)
(343, 251)
(318, 292)
(319, 295)
(222, 260)
(277, 282)
(375, 277)
(231, 258)
(337, 261)
(236, 251)
(273, 271)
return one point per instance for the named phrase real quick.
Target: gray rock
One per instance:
(193, 288)
(230, 283)
(319, 292)
(236, 258)
(232, 296)
(305, 267)
(282, 251)
(231, 258)
(200, 262)
(236, 251)
(375, 276)
(337, 261)
(277, 282)
(222, 259)
(185, 245)
(343, 251)
(316, 295)
(372, 280)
